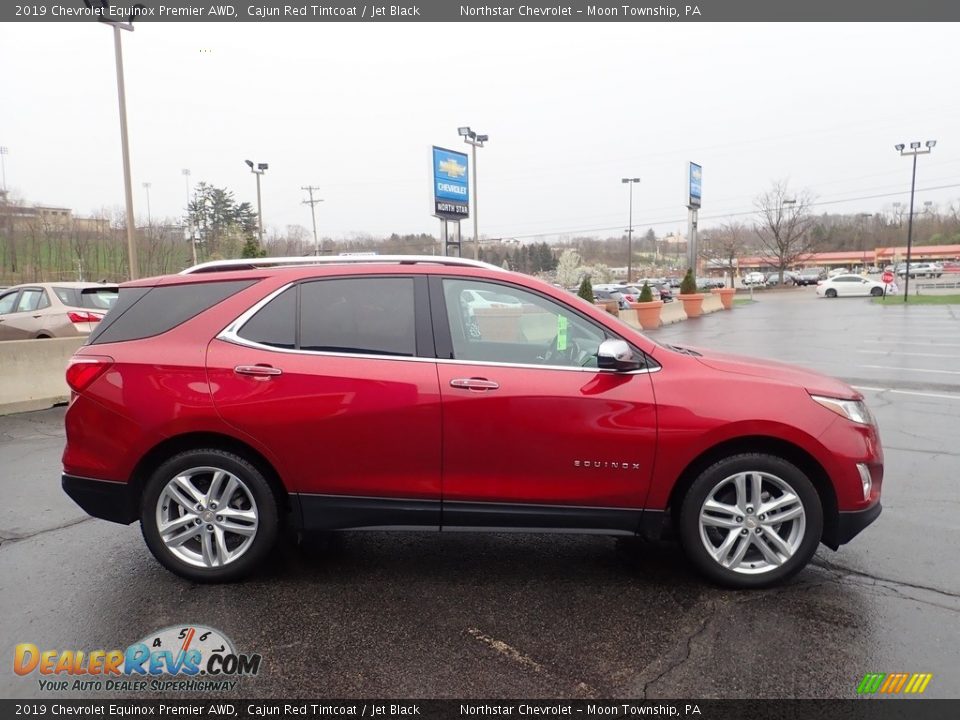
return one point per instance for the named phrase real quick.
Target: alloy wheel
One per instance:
(206, 517)
(752, 522)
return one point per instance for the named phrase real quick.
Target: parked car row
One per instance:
(53, 310)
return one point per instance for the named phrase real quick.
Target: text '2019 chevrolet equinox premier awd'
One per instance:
(368, 393)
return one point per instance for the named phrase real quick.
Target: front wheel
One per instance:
(831, 293)
(209, 516)
(751, 521)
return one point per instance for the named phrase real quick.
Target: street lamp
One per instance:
(863, 249)
(913, 151)
(631, 182)
(475, 141)
(146, 186)
(258, 170)
(124, 139)
(189, 231)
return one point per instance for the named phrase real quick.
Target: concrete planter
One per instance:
(692, 304)
(648, 314)
(726, 296)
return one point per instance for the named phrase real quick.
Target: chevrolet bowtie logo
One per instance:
(452, 168)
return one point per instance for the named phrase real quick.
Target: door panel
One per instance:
(527, 416)
(337, 425)
(563, 437)
(327, 377)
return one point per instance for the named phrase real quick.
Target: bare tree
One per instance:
(784, 226)
(726, 244)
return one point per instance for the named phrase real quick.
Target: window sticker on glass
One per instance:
(561, 332)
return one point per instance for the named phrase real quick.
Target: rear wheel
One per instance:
(209, 516)
(876, 292)
(831, 293)
(751, 521)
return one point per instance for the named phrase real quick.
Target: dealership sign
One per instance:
(695, 175)
(451, 191)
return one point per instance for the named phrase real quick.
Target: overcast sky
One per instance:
(570, 109)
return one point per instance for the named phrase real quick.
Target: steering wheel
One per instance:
(573, 355)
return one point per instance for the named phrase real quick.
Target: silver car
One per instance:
(49, 310)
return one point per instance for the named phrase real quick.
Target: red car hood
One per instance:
(812, 381)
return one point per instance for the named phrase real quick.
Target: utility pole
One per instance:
(631, 182)
(313, 215)
(146, 186)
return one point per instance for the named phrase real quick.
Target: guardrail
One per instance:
(32, 373)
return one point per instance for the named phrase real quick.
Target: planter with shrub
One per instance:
(648, 309)
(691, 299)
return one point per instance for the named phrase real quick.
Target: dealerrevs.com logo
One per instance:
(180, 657)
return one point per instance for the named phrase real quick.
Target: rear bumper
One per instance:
(113, 501)
(850, 524)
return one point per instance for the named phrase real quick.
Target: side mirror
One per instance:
(616, 355)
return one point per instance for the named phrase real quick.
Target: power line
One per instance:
(724, 215)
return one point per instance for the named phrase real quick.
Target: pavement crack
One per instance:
(9, 539)
(699, 630)
(849, 572)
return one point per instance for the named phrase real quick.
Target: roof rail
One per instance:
(299, 261)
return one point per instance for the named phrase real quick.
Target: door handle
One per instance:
(258, 372)
(36, 316)
(474, 384)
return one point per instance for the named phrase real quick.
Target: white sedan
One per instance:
(849, 285)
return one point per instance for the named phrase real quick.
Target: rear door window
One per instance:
(31, 299)
(368, 316)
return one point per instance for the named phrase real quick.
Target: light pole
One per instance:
(475, 141)
(631, 182)
(3, 166)
(863, 249)
(146, 186)
(187, 227)
(258, 170)
(913, 151)
(125, 143)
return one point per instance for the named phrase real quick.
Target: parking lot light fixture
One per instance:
(912, 152)
(258, 170)
(631, 182)
(474, 140)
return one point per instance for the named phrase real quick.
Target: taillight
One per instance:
(82, 317)
(84, 369)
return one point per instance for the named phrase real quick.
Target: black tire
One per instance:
(254, 494)
(876, 292)
(831, 293)
(809, 528)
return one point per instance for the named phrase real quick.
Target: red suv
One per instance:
(369, 393)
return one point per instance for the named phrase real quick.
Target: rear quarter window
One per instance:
(145, 312)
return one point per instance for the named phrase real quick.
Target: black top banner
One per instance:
(126, 11)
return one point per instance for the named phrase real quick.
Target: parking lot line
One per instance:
(930, 344)
(900, 352)
(943, 396)
(907, 369)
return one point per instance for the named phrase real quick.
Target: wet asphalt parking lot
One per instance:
(365, 615)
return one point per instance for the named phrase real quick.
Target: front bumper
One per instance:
(850, 523)
(113, 501)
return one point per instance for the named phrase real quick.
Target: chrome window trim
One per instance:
(231, 334)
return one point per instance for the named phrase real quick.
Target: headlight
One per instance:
(855, 410)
